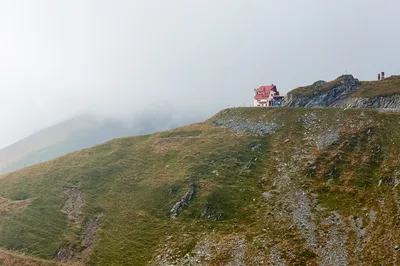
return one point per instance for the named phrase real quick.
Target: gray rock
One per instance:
(357, 225)
(183, 202)
(275, 258)
(266, 195)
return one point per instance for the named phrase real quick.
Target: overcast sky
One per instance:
(60, 58)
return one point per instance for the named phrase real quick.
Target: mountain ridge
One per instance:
(348, 92)
(32, 149)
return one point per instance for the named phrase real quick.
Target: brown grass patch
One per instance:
(8, 206)
(206, 188)
(166, 144)
(7, 258)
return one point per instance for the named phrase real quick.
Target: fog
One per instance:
(120, 58)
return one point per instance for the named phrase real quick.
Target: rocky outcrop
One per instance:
(323, 94)
(340, 93)
(183, 201)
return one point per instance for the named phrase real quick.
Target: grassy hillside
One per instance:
(248, 186)
(373, 89)
(82, 132)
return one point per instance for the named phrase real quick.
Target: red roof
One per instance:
(264, 91)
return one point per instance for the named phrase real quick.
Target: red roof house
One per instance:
(267, 96)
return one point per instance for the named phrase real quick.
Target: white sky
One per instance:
(60, 58)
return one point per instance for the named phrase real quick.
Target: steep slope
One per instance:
(348, 92)
(250, 186)
(79, 133)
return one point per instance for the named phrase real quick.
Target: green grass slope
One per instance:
(256, 198)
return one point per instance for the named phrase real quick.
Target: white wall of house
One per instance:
(263, 102)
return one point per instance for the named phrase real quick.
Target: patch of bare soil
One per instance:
(80, 254)
(10, 259)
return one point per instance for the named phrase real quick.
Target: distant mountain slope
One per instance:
(348, 92)
(250, 186)
(79, 133)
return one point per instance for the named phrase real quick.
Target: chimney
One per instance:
(379, 76)
(382, 75)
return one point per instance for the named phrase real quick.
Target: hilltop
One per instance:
(348, 92)
(249, 186)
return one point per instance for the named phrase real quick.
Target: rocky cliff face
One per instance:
(387, 102)
(345, 92)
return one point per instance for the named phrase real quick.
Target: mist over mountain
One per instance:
(61, 59)
(85, 131)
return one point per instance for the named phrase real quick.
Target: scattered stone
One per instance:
(357, 225)
(275, 258)
(205, 210)
(372, 217)
(258, 128)
(266, 195)
(232, 248)
(302, 218)
(73, 204)
(65, 255)
(89, 232)
(334, 251)
(238, 252)
(327, 139)
(256, 147)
